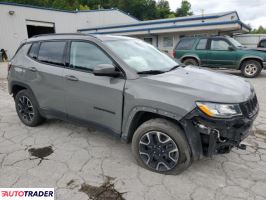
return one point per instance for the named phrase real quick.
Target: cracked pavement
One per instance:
(84, 155)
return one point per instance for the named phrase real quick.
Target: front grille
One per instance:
(250, 107)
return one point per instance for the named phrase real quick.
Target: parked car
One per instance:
(220, 52)
(262, 44)
(171, 114)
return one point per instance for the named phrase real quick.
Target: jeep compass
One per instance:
(171, 114)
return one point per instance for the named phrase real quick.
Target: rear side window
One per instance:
(186, 44)
(202, 44)
(52, 52)
(85, 56)
(33, 53)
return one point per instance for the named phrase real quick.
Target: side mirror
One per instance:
(106, 70)
(230, 48)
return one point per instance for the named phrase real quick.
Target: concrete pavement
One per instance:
(77, 161)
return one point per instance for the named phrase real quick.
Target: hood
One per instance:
(259, 49)
(198, 84)
(262, 50)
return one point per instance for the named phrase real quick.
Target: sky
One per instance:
(252, 12)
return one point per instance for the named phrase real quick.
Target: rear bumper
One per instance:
(209, 136)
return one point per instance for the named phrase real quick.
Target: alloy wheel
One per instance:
(251, 69)
(25, 108)
(158, 151)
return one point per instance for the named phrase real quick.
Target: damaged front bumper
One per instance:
(208, 136)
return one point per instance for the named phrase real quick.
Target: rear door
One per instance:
(221, 54)
(97, 99)
(45, 74)
(202, 51)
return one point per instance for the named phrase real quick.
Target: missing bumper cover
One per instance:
(216, 136)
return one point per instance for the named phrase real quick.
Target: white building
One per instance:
(165, 33)
(18, 22)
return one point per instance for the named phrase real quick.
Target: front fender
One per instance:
(249, 58)
(127, 122)
(192, 137)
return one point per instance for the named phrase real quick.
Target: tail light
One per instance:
(174, 54)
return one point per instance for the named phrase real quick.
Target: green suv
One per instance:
(220, 52)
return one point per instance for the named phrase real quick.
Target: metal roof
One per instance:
(162, 21)
(165, 24)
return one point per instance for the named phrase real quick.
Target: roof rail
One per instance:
(54, 34)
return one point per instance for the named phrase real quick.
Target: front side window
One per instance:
(86, 56)
(168, 41)
(202, 44)
(186, 44)
(235, 42)
(219, 45)
(52, 52)
(141, 56)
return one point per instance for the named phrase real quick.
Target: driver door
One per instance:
(221, 54)
(97, 99)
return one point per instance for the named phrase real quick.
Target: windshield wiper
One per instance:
(152, 72)
(174, 67)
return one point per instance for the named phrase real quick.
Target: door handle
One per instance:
(33, 69)
(71, 78)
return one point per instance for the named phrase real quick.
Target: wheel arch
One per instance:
(139, 115)
(259, 59)
(16, 86)
(190, 56)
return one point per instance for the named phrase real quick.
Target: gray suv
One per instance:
(171, 114)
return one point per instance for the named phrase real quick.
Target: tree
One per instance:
(141, 9)
(260, 30)
(184, 10)
(163, 9)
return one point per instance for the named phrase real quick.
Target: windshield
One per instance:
(141, 56)
(235, 43)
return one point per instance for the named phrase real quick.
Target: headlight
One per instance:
(219, 110)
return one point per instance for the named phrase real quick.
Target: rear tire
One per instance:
(27, 109)
(190, 61)
(170, 154)
(251, 68)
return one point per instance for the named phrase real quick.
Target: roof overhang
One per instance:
(223, 26)
(224, 21)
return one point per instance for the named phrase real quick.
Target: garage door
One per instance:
(39, 27)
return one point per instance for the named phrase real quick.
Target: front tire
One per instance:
(27, 109)
(251, 68)
(160, 146)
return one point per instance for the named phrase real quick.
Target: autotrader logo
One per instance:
(26, 193)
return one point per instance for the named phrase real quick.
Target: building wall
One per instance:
(13, 28)
(250, 40)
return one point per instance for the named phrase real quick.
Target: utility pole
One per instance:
(202, 14)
